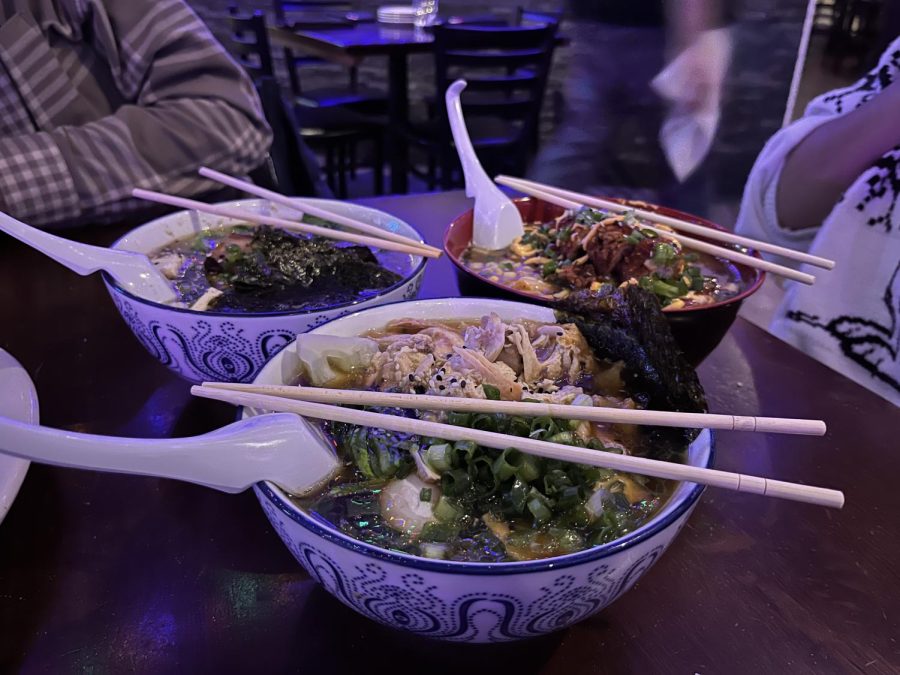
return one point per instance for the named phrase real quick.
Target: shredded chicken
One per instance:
(531, 367)
(472, 361)
(489, 337)
(444, 339)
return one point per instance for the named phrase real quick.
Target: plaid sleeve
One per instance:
(188, 104)
(35, 183)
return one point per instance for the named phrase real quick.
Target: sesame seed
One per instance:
(411, 377)
(439, 378)
(463, 384)
(442, 387)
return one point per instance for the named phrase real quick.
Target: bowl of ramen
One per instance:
(245, 291)
(459, 542)
(561, 253)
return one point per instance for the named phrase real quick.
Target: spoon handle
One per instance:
(78, 257)
(473, 172)
(229, 459)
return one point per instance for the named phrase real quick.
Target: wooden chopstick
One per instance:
(312, 209)
(677, 224)
(686, 242)
(658, 418)
(250, 216)
(489, 439)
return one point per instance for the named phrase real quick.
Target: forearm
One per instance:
(35, 182)
(831, 158)
(74, 174)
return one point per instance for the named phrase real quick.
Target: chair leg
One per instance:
(352, 159)
(329, 166)
(378, 164)
(342, 170)
(432, 172)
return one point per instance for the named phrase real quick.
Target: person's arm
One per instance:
(825, 163)
(189, 105)
(687, 19)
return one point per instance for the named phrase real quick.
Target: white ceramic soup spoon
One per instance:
(277, 447)
(496, 220)
(133, 271)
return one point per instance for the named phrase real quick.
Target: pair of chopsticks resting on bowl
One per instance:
(574, 201)
(365, 234)
(325, 404)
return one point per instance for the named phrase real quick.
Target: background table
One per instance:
(350, 44)
(103, 573)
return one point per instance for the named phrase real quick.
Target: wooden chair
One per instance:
(318, 14)
(291, 167)
(334, 131)
(506, 69)
(530, 17)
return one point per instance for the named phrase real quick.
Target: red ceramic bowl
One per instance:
(696, 329)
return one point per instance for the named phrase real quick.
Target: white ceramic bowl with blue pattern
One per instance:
(467, 602)
(232, 347)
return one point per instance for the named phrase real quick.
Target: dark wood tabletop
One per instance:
(106, 573)
(357, 40)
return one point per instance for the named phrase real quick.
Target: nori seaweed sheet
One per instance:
(285, 271)
(627, 324)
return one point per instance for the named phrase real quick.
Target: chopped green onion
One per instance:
(635, 237)
(458, 419)
(502, 468)
(425, 495)
(664, 254)
(539, 510)
(491, 392)
(548, 268)
(439, 457)
(447, 511)
(455, 482)
(529, 468)
(664, 289)
(566, 437)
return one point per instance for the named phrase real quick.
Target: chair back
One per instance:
(506, 69)
(309, 15)
(529, 17)
(284, 10)
(248, 41)
(291, 167)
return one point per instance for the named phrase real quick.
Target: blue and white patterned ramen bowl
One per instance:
(467, 602)
(232, 347)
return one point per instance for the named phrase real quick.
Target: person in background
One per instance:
(100, 96)
(608, 138)
(830, 183)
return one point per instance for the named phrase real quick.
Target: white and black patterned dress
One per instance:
(850, 318)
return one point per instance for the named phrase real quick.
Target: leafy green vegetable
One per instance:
(377, 453)
(664, 254)
(491, 392)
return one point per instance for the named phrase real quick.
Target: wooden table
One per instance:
(106, 574)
